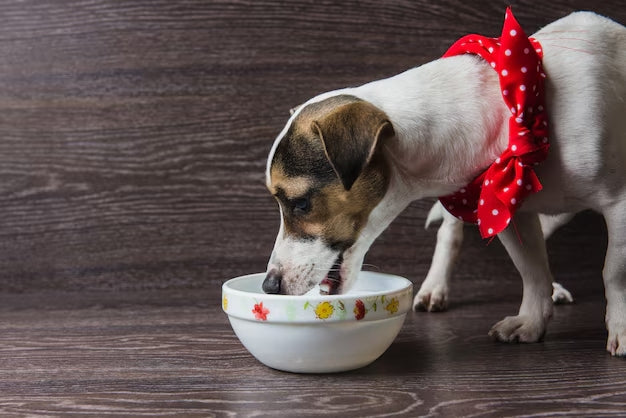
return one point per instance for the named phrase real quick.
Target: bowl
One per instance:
(316, 333)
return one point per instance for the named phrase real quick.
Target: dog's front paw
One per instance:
(520, 328)
(431, 298)
(616, 343)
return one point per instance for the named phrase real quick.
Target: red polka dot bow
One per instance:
(492, 198)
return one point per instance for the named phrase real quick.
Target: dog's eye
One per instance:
(301, 205)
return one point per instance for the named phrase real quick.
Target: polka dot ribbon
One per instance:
(492, 198)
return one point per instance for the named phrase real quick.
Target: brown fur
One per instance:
(350, 135)
(331, 156)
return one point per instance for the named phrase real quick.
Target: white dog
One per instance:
(349, 161)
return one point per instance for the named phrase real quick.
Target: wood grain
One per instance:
(172, 353)
(133, 135)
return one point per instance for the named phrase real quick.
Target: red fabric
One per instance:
(492, 198)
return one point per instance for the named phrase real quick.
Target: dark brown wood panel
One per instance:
(133, 135)
(167, 353)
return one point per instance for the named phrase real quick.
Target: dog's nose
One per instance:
(271, 284)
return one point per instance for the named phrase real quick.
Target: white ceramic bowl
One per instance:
(314, 333)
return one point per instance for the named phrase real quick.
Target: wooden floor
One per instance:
(165, 353)
(133, 141)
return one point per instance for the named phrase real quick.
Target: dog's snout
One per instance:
(271, 284)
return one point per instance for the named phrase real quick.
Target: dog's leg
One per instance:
(549, 224)
(528, 252)
(614, 275)
(560, 295)
(433, 294)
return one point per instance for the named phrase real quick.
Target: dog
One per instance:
(349, 161)
(433, 293)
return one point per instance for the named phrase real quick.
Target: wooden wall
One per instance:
(133, 135)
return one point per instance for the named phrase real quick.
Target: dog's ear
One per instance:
(350, 135)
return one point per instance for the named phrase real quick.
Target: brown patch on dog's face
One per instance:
(290, 187)
(326, 209)
(327, 173)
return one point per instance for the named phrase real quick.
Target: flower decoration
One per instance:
(359, 310)
(225, 302)
(392, 306)
(324, 310)
(260, 312)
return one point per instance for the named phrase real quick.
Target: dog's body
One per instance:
(349, 161)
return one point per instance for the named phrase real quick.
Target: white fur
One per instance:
(433, 295)
(308, 262)
(451, 122)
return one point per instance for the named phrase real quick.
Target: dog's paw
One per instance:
(431, 298)
(520, 328)
(616, 343)
(561, 295)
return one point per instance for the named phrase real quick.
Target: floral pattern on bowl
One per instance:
(370, 299)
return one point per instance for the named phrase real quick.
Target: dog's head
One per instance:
(327, 172)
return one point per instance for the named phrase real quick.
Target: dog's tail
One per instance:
(435, 214)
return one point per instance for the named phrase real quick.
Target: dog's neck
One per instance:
(450, 122)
